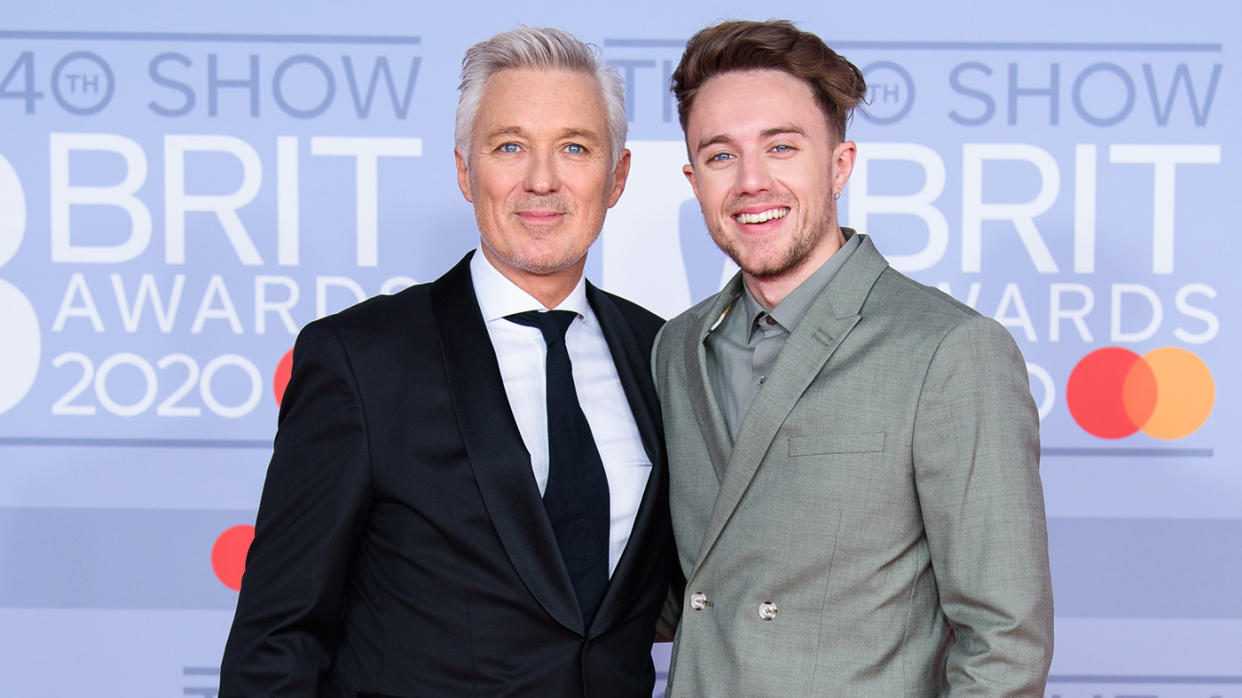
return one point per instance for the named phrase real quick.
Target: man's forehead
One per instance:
(526, 101)
(758, 102)
(519, 79)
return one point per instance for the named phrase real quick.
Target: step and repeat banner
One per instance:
(180, 193)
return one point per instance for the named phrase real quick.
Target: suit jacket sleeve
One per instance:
(976, 455)
(670, 612)
(314, 503)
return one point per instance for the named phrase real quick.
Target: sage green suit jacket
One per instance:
(881, 507)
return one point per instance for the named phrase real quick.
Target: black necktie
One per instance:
(576, 497)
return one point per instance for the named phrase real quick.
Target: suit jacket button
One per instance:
(698, 601)
(767, 610)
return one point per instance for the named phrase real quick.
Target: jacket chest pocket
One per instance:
(832, 444)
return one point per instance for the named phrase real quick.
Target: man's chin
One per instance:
(758, 266)
(548, 266)
(770, 263)
(764, 273)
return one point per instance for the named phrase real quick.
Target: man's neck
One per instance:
(771, 290)
(549, 289)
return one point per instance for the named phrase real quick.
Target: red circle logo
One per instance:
(228, 555)
(1166, 393)
(281, 381)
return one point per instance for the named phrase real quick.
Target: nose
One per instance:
(753, 176)
(541, 173)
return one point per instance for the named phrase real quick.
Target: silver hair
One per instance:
(543, 48)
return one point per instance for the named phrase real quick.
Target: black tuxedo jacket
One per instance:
(401, 546)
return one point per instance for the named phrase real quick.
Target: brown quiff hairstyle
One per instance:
(777, 44)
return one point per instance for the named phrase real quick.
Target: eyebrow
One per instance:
(567, 133)
(506, 131)
(582, 133)
(782, 130)
(713, 140)
(766, 133)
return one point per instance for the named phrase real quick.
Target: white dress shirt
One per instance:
(521, 353)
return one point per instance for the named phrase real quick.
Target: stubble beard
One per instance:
(513, 255)
(803, 241)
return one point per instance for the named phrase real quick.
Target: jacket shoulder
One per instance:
(899, 294)
(643, 322)
(687, 319)
(677, 329)
(379, 315)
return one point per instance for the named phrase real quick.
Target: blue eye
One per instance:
(720, 157)
(508, 148)
(575, 149)
(782, 148)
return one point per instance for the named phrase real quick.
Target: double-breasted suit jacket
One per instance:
(401, 546)
(877, 529)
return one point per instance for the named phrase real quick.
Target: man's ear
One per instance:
(463, 176)
(688, 171)
(619, 175)
(843, 157)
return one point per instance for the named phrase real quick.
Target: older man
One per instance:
(853, 455)
(468, 492)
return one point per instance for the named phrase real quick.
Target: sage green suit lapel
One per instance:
(707, 412)
(828, 321)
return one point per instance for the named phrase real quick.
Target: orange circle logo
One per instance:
(1167, 393)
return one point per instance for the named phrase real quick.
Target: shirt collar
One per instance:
(499, 297)
(789, 311)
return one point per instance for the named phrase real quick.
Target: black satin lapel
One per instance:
(634, 368)
(651, 521)
(499, 458)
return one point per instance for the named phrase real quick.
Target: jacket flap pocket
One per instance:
(821, 444)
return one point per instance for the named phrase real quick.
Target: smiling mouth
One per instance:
(535, 216)
(762, 216)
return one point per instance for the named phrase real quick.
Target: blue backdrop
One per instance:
(183, 186)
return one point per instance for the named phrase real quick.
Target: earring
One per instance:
(836, 195)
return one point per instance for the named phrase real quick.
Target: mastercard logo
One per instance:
(228, 555)
(281, 380)
(1166, 393)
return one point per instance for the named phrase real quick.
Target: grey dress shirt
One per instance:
(743, 348)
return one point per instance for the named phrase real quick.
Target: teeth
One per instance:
(763, 216)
